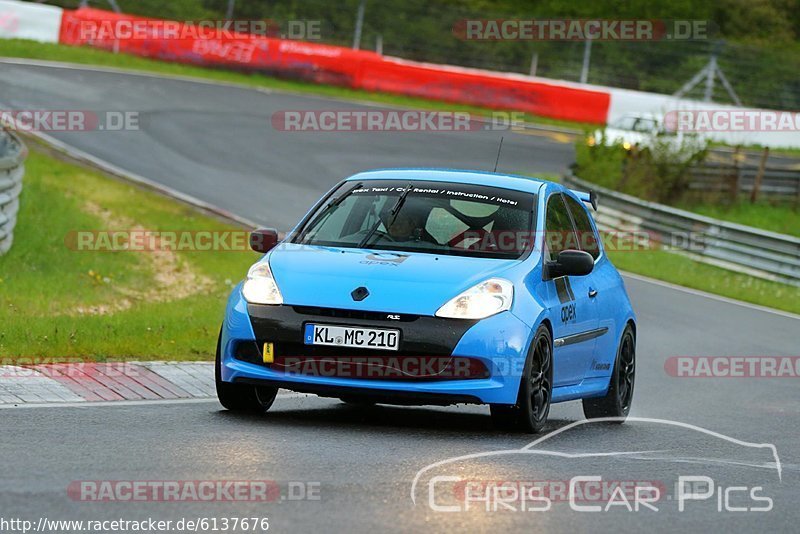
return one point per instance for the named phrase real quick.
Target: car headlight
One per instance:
(480, 301)
(260, 286)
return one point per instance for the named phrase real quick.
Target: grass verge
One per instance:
(784, 219)
(21, 48)
(681, 270)
(59, 302)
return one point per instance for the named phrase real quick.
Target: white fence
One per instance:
(12, 168)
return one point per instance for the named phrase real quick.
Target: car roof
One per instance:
(491, 179)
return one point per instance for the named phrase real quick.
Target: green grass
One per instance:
(784, 219)
(681, 270)
(43, 282)
(21, 48)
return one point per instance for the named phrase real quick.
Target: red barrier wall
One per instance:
(342, 66)
(484, 88)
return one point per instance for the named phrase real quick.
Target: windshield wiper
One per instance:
(399, 204)
(395, 210)
(338, 200)
(330, 207)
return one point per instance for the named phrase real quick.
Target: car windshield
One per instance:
(433, 217)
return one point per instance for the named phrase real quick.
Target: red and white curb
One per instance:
(103, 382)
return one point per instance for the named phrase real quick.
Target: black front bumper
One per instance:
(418, 334)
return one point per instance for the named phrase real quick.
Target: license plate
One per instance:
(352, 336)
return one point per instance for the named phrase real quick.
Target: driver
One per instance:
(404, 227)
(408, 225)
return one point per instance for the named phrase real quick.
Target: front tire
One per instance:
(241, 397)
(617, 402)
(530, 412)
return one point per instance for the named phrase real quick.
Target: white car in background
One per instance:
(638, 130)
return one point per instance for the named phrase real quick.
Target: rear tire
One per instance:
(530, 412)
(617, 402)
(241, 397)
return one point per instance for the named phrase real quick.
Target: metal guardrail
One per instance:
(718, 177)
(12, 157)
(752, 158)
(733, 246)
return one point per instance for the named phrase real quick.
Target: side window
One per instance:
(645, 125)
(624, 123)
(559, 232)
(587, 238)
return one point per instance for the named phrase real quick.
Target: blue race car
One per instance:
(424, 286)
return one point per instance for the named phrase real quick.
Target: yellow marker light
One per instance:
(268, 354)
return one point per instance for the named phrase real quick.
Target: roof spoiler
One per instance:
(589, 198)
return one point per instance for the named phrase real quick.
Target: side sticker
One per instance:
(564, 290)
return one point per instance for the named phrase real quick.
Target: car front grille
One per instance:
(354, 314)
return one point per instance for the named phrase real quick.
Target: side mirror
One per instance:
(264, 239)
(569, 263)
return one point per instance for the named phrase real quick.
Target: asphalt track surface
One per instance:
(216, 143)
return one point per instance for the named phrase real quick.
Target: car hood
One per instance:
(398, 282)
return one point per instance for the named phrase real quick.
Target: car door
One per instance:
(601, 291)
(572, 308)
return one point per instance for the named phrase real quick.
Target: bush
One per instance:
(657, 169)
